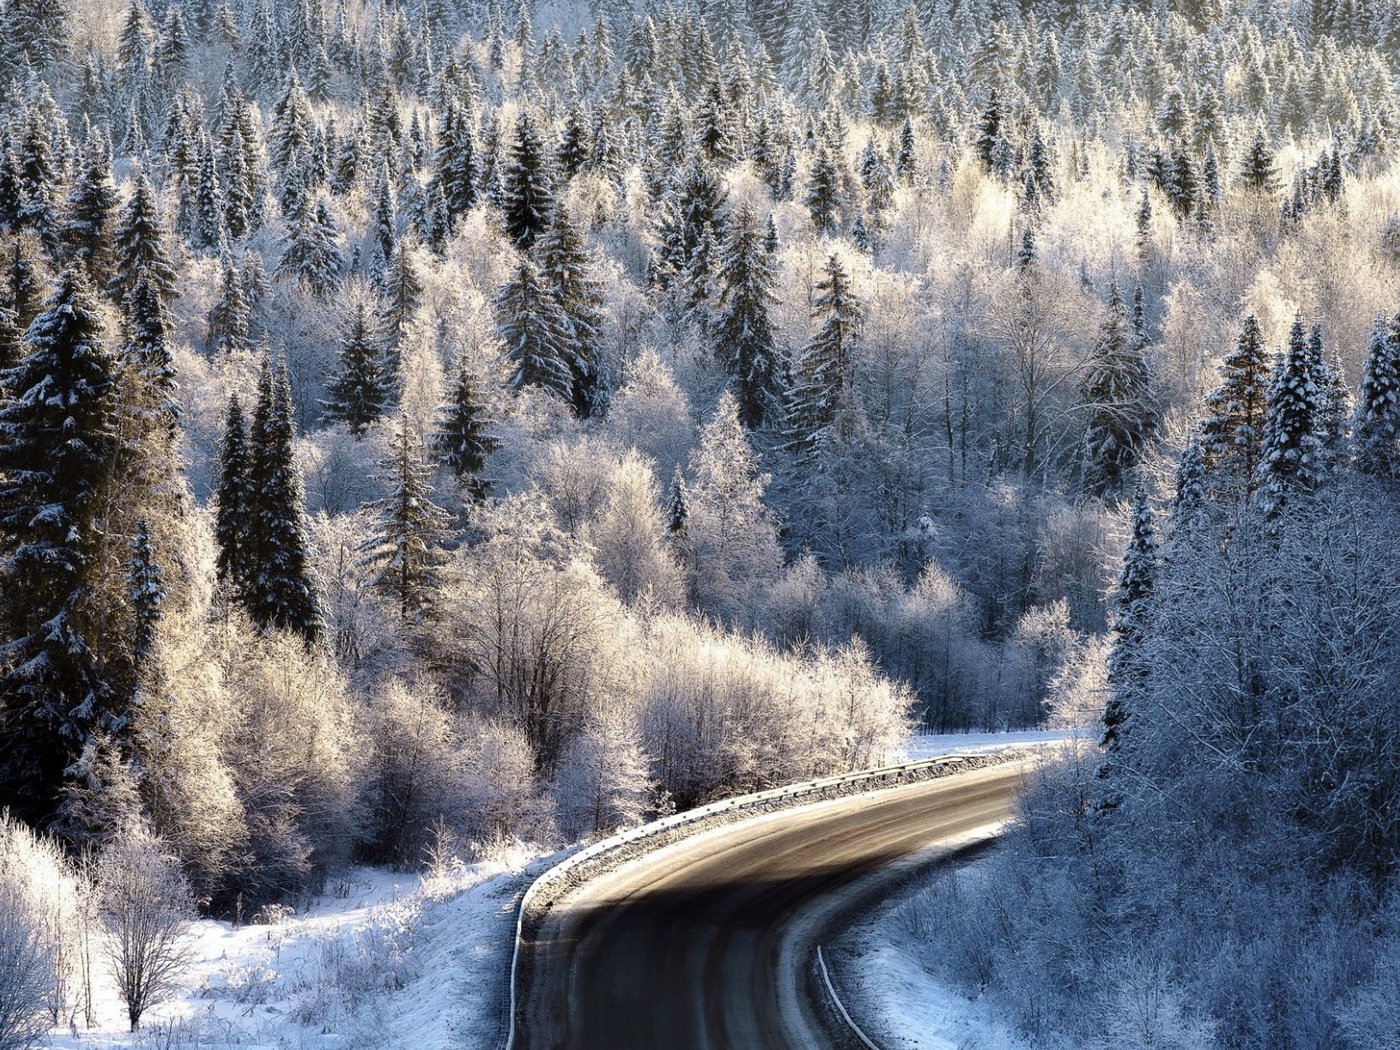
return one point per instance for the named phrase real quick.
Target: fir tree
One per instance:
(989, 133)
(140, 244)
(1118, 396)
(535, 333)
(23, 287)
(148, 351)
(1127, 663)
(1377, 425)
(527, 198)
(402, 298)
(464, 440)
(233, 501)
(58, 445)
(456, 165)
(567, 264)
(280, 590)
(744, 338)
(358, 392)
(407, 551)
(695, 200)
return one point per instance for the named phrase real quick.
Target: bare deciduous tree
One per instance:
(146, 908)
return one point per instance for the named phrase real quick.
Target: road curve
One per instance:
(705, 944)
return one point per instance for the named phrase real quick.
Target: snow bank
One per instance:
(933, 745)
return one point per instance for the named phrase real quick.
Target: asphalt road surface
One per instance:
(707, 943)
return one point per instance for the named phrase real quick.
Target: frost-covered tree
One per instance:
(58, 446)
(1292, 451)
(1127, 665)
(527, 192)
(823, 384)
(280, 591)
(745, 341)
(1377, 424)
(358, 391)
(311, 252)
(140, 246)
(535, 333)
(464, 438)
(407, 549)
(1232, 431)
(566, 262)
(233, 499)
(1120, 405)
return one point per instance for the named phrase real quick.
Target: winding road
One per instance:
(706, 944)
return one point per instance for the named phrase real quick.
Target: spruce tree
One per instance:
(140, 244)
(1292, 456)
(311, 255)
(402, 297)
(23, 290)
(58, 446)
(407, 549)
(1127, 663)
(527, 197)
(1257, 170)
(823, 193)
(91, 215)
(146, 593)
(989, 133)
(1232, 432)
(1120, 403)
(744, 337)
(567, 264)
(825, 373)
(281, 592)
(229, 317)
(464, 439)
(694, 201)
(358, 391)
(148, 351)
(233, 501)
(535, 333)
(456, 169)
(1377, 424)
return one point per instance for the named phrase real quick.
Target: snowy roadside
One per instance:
(883, 970)
(933, 745)
(382, 960)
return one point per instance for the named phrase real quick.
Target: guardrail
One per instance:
(822, 786)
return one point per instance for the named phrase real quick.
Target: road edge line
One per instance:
(840, 1006)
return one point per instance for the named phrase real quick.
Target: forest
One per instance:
(427, 423)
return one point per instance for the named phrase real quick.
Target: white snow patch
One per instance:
(933, 745)
(383, 960)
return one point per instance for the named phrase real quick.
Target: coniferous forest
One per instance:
(428, 420)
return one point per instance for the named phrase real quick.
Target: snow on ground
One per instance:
(382, 960)
(883, 970)
(932, 745)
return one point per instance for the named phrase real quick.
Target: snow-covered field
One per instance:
(383, 960)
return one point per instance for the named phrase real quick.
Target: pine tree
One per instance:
(281, 592)
(1292, 455)
(527, 198)
(58, 445)
(358, 392)
(1127, 664)
(567, 264)
(234, 504)
(1118, 396)
(407, 550)
(535, 333)
(464, 440)
(311, 254)
(744, 337)
(1377, 425)
(141, 248)
(824, 380)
